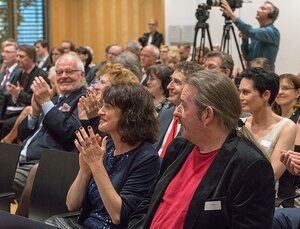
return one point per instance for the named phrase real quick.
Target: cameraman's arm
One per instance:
(227, 10)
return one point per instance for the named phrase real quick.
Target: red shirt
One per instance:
(177, 197)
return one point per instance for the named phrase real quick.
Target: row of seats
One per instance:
(56, 172)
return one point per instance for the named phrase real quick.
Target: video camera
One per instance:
(202, 13)
(234, 4)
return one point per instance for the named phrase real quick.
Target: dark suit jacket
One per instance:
(24, 98)
(165, 118)
(58, 130)
(240, 178)
(17, 70)
(46, 65)
(5, 97)
(157, 39)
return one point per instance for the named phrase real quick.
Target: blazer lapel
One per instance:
(209, 182)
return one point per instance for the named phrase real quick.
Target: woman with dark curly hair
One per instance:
(116, 172)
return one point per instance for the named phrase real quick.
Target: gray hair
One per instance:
(130, 61)
(72, 55)
(217, 91)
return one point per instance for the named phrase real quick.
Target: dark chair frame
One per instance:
(9, 157)
(55, 174)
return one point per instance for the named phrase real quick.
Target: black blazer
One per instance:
(46, 65)
(165, 118)
(157, 39)
(58, 130)
(24, 98)
(241, 178)
(17, 70)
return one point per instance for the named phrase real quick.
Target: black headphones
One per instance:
(271, 15)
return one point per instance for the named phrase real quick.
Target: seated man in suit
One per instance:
(20, 86)
(212, 177)
(169, 127)
(9, 58)
(42, 52)
(153, 37)
(52, 123)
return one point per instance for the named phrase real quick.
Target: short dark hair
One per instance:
(274, 13)
(72, 45)
(261, 62)
(85, 51)
(226, 60)
(163, 73)
(188, 67)
(43, 43)
(29, 50)
(138, 121)
(263, 80)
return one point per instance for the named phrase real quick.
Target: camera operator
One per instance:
(153, 37)
(265, 39)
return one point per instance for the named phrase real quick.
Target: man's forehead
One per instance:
(178, 74)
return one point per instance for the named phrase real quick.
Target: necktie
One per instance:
(23, 79)
(171, 136)
(61, 98)
(3, 83)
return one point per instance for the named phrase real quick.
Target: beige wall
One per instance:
(98, 23)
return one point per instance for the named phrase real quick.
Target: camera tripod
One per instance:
(204, 27)
(226, 39)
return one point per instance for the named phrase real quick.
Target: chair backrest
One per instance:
(55, 174)
(9, 157)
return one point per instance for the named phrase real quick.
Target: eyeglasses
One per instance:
(5, 51)
(286, 88)
(67, 71)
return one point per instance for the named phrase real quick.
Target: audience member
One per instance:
(42, 53)
(116, 173)
(258, 90)
(112, 51)
(212, 177)
(110, 74)
(134, 47)
(200, 55)
(158, 80)
(20, 86)
(129, 61)
(68, 46)
(9, 54)
(153, 37)
(55, 53)
(85, 56)
(163, 54)
(219, 61)
(185, 51)
(287, 105)
(9, 41)
(264, 41)
(173, 57)
(149, 56)
(261, 62)
(169, 125)
(52, 123)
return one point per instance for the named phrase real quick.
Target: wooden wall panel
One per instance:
(98, 23)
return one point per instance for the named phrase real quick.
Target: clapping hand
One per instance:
(91, 146)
